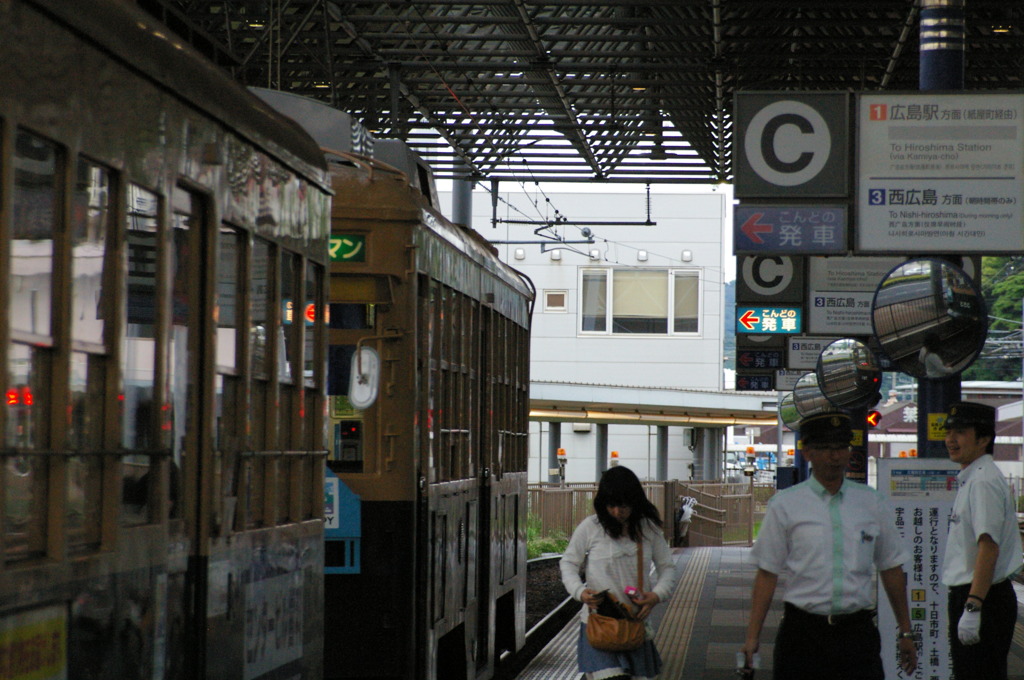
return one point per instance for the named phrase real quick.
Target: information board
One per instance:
(921, 493)
(940, 173)
(840, 291)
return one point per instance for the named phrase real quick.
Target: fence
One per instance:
(722, 514)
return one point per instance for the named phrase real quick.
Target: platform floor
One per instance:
(703, 626)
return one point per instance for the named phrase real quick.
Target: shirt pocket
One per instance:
(862, 545)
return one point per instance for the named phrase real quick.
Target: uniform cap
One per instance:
(826, 428)
(970, 414)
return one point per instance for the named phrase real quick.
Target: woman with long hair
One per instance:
(604, 546)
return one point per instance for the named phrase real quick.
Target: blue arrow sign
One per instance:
(768, 319)
(789, 230)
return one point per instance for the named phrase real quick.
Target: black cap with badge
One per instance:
(963, 414)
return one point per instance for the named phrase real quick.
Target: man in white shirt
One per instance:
(983, 550)
(829, 536)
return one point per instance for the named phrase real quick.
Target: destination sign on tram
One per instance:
(768, 319)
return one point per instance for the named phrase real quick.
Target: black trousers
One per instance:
(985, 660)
(808, 647)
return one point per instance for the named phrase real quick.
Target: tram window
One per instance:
(84, 501)
(26, 398)
(35, 210)
(351, 316)
(84, 473)
(90, 220)
(339, 368)
(185, 259)
(138, 357)
(25, 483)
(292, 319)
(260, 296)
(347, 455)
(90, 225)
(314, 282)
(228, 297)
(290, 335)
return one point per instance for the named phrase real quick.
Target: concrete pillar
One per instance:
(601, 451)
(554, 443)
(661, 470)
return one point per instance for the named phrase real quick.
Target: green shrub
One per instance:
(537, 545)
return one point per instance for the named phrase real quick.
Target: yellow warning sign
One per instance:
(936, 427)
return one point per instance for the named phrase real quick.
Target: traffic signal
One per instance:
(873, 418)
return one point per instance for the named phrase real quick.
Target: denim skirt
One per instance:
(640, 664)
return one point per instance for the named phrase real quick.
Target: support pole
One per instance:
(601, 451)
(554, 443)
(941, 68)
(661, 471)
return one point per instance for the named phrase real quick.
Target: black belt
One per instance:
(797, 614)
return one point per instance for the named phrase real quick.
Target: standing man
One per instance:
(829, 536)
(983, 549)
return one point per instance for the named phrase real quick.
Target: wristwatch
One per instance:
(906, 636)
(971, 607)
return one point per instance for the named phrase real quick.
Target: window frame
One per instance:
(670, 274)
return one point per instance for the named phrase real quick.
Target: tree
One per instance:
(1002, 287)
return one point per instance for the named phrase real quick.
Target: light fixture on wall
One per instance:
(687, 255)
(595, 254)
(520, 254)
(641, 255)
(556, 254)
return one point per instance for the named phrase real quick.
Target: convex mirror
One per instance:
(787, 411)
(808, 397)
(929, 318)
(848, 374)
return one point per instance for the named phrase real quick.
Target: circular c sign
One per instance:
(768, 274)
(787, 143)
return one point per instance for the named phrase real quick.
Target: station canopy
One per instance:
(574, 90)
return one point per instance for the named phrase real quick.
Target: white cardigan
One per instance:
(611, 562)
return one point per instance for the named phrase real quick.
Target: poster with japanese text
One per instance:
(921, 493)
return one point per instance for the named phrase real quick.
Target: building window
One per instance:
(640, 301)
(554, 300)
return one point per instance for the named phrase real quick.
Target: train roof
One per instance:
(369, 189)
(146, 46)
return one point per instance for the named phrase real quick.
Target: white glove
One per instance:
(969, 628)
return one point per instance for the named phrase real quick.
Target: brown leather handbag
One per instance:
(614, 627)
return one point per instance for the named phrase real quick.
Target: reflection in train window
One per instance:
(34, 213)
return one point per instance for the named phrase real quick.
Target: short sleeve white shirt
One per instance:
(983, 505)
(828, 547)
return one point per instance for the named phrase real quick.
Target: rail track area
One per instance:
(700, 629)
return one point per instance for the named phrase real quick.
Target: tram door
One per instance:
(484, 506)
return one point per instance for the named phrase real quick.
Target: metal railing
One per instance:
(724, 513)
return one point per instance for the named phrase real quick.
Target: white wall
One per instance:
(560, 352)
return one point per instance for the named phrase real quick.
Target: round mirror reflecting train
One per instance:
(929, 318)
(787, 411)
(808, 397)
(848, 374)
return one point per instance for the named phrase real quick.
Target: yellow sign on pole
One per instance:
(936, 427)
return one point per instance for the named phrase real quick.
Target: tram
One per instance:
(161, 473)
(428, 391)
(438, 460)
